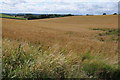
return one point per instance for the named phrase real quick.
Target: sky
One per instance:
(80, 7)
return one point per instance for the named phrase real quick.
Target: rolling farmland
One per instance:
(70, 41)
(76, 32)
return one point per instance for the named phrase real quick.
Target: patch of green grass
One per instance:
(87, 56)
(108, 31)
(110, 34)
(101, 70)
(10, 17)
(99, 29)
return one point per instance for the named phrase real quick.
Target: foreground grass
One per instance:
(11, 17)
(26, 60)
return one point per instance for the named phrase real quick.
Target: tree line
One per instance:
(43, 16)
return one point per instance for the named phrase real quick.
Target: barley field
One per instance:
(67, 47)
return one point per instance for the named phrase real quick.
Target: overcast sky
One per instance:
(59, 6)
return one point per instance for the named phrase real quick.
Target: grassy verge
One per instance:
(25, 60)
(11, 17)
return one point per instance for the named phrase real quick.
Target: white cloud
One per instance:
(70, 1)
(59, 6)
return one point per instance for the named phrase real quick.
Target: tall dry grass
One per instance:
(26, 60)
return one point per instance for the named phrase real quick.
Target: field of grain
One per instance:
(74, 36)
(74, 32)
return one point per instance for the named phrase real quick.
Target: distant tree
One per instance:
(69, 15)
(104, 13)
(87, 14)
(28, 14)
(115, 14)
